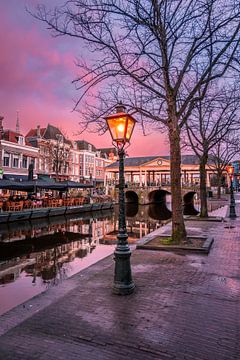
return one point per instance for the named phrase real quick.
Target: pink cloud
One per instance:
(36, 71)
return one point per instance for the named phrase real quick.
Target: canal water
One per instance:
(37, 255)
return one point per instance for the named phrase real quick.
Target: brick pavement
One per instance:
(184, 308)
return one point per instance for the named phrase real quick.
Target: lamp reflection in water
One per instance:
(121, 127)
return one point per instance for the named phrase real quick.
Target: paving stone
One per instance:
(185, 307)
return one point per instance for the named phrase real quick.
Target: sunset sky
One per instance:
(36, 71)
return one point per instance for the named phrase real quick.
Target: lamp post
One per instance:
(232, 214)
(121, 127)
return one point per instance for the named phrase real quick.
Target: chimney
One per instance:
(1, 126)
(38, 131)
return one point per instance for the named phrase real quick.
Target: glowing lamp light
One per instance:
(230, 169)
(120, 125)
(120, 128)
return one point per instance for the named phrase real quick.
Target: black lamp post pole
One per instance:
(232, 214)
(123, 284)
(231, 191)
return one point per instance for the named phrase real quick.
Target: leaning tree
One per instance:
(212, 120)
(149, 51)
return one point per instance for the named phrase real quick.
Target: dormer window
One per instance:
(21, 140)
(59, 138)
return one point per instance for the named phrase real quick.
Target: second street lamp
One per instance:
(121, 127)
(232, 213)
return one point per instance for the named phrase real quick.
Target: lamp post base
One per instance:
(232, 213)
(123, 284)
(122, 289)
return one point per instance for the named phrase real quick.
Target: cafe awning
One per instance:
(15, 185)
(32, 186)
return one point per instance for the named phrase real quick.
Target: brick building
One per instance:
(89, 163)
(16, 154)
(63, 159)
(52, 154)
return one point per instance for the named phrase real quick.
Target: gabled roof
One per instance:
(10, 135)
(51, 132)
(13, 137)
(138, 161)
(134, 161)
(48, 133)
(189, 159)
(33, 132)
(84, 145)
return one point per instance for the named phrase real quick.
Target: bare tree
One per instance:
(147, 53)
(222, 154)
(212, 119)
(58, 156)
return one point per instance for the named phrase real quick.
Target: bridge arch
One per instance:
(188, 204)
(158, 196)
(131, 209)
(131, 197)
(159, 211)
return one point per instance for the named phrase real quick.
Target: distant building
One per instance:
(16, 154)
(89, 163)
(63, 159)
(54, 152)
(155, 170)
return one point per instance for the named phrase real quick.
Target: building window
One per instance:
(24, 162)
(6, 159)
(32, 161)
(89, 147)
(21, 140)
(15, 161)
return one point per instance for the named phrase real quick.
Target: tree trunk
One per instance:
(203, 187)
(219, 183)
(178, 227)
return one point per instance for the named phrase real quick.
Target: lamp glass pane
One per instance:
(130, 127)
(117, 128)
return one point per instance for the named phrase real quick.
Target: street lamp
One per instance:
(230, 171)
(121, 127)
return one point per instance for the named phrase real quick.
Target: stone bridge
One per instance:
(155, 194)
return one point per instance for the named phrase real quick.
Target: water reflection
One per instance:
(42, 253)
(160, 211)
(189, 206)
(140, 221)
